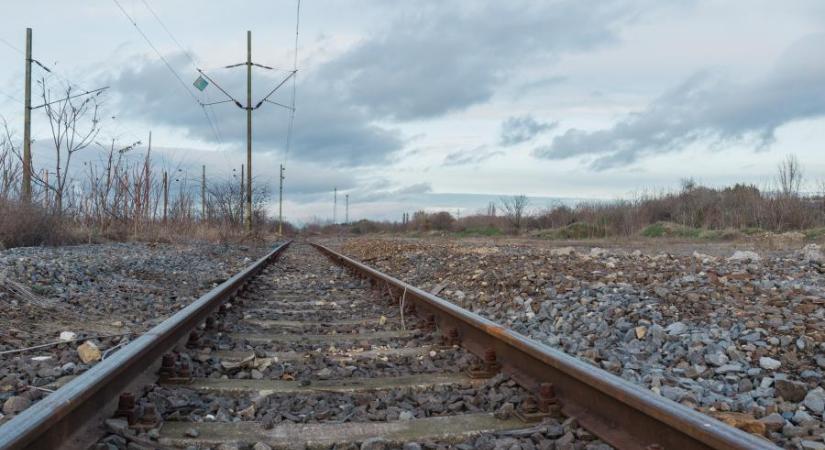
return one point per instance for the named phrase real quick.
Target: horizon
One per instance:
(593, 102)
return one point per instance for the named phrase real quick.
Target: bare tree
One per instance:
(789, 177)
(10, 167)
(514, 209)
(74, 124)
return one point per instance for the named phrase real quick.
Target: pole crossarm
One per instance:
(291, 74)
(281, 105)
(96, 92)
(41, 65)
(217, 103)
(231, 98)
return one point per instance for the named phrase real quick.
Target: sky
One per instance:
(443, 104)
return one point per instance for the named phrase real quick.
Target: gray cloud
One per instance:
(431, 59)
(708, 108)
(370, 193)
(472, 156)
(326, 129)
(516, 130)
(443, 57)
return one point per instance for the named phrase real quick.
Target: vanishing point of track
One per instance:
(330, 359)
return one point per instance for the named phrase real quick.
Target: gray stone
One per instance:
(412, 446)
(261, 446)
(811, 445)
(773, 422)
(727, 368)
(69, 368)
(191, 432)
(115, 440)
(375, 443)
(117, 426)
(744, 256)
(674, 393)
(405, 415)
(815, 400)
(228, 447)
(676, 328)
(789, 430)
(716, 358)
(801, 417)
(769, 363)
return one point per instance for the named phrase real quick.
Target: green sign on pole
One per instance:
(200, 83)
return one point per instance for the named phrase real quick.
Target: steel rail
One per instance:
(620, 413)
(56, 421)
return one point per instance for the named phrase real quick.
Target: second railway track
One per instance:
(328, 353)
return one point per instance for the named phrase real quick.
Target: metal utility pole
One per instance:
(281, 202)
(249, 130)
(147, 186)
(242, 194)
(203, 194)
(165, 195)
(335, 206)
(346, 215)
(249, 108)
(27, 122)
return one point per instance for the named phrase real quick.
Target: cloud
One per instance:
(707, 107)
(446, 56)
(472, 156)
(326, 129)
(516, 130)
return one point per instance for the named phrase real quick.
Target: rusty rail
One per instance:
(59, 419)
(620, 413)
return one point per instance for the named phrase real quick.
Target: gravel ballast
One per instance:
(738, 336)
(96, 298)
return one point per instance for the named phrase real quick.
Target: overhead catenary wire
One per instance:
(11, 46)
(167, 64)
(11, 97)
(51, 70)
(192, 59)
(294, 81)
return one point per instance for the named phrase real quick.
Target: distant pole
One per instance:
(27, 122)
(46, 197)
(147, 188)
(242, 195)
(335, 206)
(281, 202)
(249, 130)
(346, 216)
(203, 194)
(165, 195)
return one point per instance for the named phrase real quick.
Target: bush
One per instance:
(26, 225)
(668, 229)
(581, 230)
(480, 231)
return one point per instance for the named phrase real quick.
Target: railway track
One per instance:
(302, 350)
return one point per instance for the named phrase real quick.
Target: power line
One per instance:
(48, 70)
(294, 81)
(166, 62)
(163, 25)
(11, 97)
(9, 45)
(215, 127)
